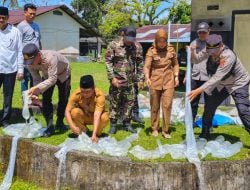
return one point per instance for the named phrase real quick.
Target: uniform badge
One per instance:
(222, 62)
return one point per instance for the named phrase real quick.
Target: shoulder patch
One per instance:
(222, 62)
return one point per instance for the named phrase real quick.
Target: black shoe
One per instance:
(49, 131)
(113, 128)
(127, 127)
(5, 124)
(137, 119)
(60, 126)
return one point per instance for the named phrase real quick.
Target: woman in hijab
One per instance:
(161, 71)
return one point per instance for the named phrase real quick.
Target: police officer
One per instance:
(230, 78)
(120, 58)
(55, 70)
(199, 72)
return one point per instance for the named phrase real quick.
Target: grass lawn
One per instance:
(231, 133)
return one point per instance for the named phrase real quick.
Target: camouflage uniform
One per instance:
(120, 63)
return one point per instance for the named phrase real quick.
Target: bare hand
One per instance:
(76, 130)
(140, 85)
(94, 138)
(194, 93)
(115, 82)
(19, 76)
(176, 81)
(148, 82)
(34, 91)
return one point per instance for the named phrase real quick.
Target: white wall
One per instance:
(58, 31)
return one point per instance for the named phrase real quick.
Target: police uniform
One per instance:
(199, 72)
(54, 69)
(230, 78)
(120, 61)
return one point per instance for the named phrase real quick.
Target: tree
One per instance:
(145, 10)
(10, 3)
(180, 12)
(117, 17)
(90, 10)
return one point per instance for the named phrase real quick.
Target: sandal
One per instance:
(155, 133)
(166, 135)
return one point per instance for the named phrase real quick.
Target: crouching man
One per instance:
(86, 106)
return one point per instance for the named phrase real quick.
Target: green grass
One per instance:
(231, 133)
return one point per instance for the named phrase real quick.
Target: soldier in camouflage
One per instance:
(124, 64)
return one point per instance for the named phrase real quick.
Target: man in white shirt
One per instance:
(11, 61)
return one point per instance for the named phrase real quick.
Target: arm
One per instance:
(52, 75)
(68, 117)
(147, 66)
(109, 62)
(19, 56)
(175, 69)
(139, 63)
(96, 123)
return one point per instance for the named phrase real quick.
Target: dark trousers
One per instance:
(195, 103)
(242, 103)
(26, 79)
(135, 108)
(8, 82)
(63, 94)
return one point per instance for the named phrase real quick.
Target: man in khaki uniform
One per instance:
(230, 78)
(87, 106)
(55, 70)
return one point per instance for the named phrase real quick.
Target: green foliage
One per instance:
(9, 3)
(145, 10)
(180, 12)
(117, 17)
(90, 10)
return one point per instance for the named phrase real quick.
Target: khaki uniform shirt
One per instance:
(53, 67)
(163, 66)
(199, 68)
(97, 103)
(239, 77)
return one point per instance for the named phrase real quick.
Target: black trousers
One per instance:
(8, 82)
(63, 95)
(242, 103)
(195, 103)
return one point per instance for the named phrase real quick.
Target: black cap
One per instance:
(4, 11)
(87, 81)
(203, 27)
(129, 34)
(213, 42)
(29, 53)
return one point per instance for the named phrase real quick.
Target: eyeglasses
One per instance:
(202, 32)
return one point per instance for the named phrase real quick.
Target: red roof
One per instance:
(17, 16)
(180, 31)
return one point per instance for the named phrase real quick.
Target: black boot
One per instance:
(60, 125)
(137, 119)
(205, 133)
(113, 127)
(127, 127)
(50, 127)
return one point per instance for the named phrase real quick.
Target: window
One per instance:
(57, 13)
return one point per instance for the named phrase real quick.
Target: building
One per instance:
(179, 35)
(63, 30)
